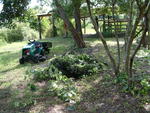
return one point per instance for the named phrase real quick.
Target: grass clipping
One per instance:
(62, 69)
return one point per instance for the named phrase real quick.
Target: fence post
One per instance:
(40, 31)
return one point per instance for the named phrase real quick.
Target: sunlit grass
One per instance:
(110, 41)
(9, 55)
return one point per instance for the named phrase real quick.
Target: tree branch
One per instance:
(102, 39)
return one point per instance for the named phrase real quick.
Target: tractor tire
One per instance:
(36, 60)
(21, 61)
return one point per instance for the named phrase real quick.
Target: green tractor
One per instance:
(35, 51)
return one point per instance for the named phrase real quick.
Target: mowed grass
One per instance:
(94, 90)
(10, 54)
(12, 74)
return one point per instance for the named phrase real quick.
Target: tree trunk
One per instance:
(40, 30)
(130, 23)
(129, 60)
(149, 29)
(77, 18)
(116, 35)
(130, 41)
(114, 67)
(79, 41)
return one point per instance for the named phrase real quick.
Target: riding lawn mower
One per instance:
(35, 51)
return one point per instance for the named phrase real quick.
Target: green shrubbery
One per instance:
(64, 88)
(77, 65)
(74, 66)
(21, 31)
(108, 34)
(58, 84)
(46, 73)
(60, 70)
(140, 85)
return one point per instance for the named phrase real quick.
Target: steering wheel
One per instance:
(31, 41)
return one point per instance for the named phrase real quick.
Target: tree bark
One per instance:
(130, 41)
(136, 50)
(102, 39)
(79, 41)
(77, 17)
(143, 37)
(129, 60)
(116, 35)
(130, 23)
(149, 29)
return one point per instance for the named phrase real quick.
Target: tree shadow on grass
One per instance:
(34, 101)
(13, 68)
(105, 97)
(5, 99)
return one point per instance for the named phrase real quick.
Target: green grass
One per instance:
(12, 74)
(94, 90)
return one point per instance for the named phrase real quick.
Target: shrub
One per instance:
(64, 88)
(140, 85)
(14, 35)
(21, 31)
(59, 84)
(3, 33)
(70, 66)
(46, 73)
(108, 34)
(77, 66)
(60, 68)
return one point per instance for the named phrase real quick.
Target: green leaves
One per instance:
(77, 65)
(12, 9)
(140, 85)
(64, 88)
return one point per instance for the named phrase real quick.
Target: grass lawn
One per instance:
(98, 93)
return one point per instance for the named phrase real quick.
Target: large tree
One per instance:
(76, 35)
(12, 9)
(77, 16)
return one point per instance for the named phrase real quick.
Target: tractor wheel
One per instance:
(36, 60)
(21, 61)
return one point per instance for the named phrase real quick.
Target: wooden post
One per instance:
(108, 29)
(54, 27)
(117, 27)
(120, 26)
(40, 31)
(84, 25)
(104, 25)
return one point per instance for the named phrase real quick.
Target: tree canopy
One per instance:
(12, 9)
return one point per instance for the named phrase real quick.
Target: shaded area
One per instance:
(105, 97)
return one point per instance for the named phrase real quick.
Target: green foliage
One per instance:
(14, 35)
(21, 31)
(108, 34)
(70, 65)
(25, 102)
(60, 68)
(64, 88)
(59, 84)
(3, 33)
(47, 73)
(139, 86)
(12, 9)
(77, 65)
(30, 16)
(122, 79)
(32, 87)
